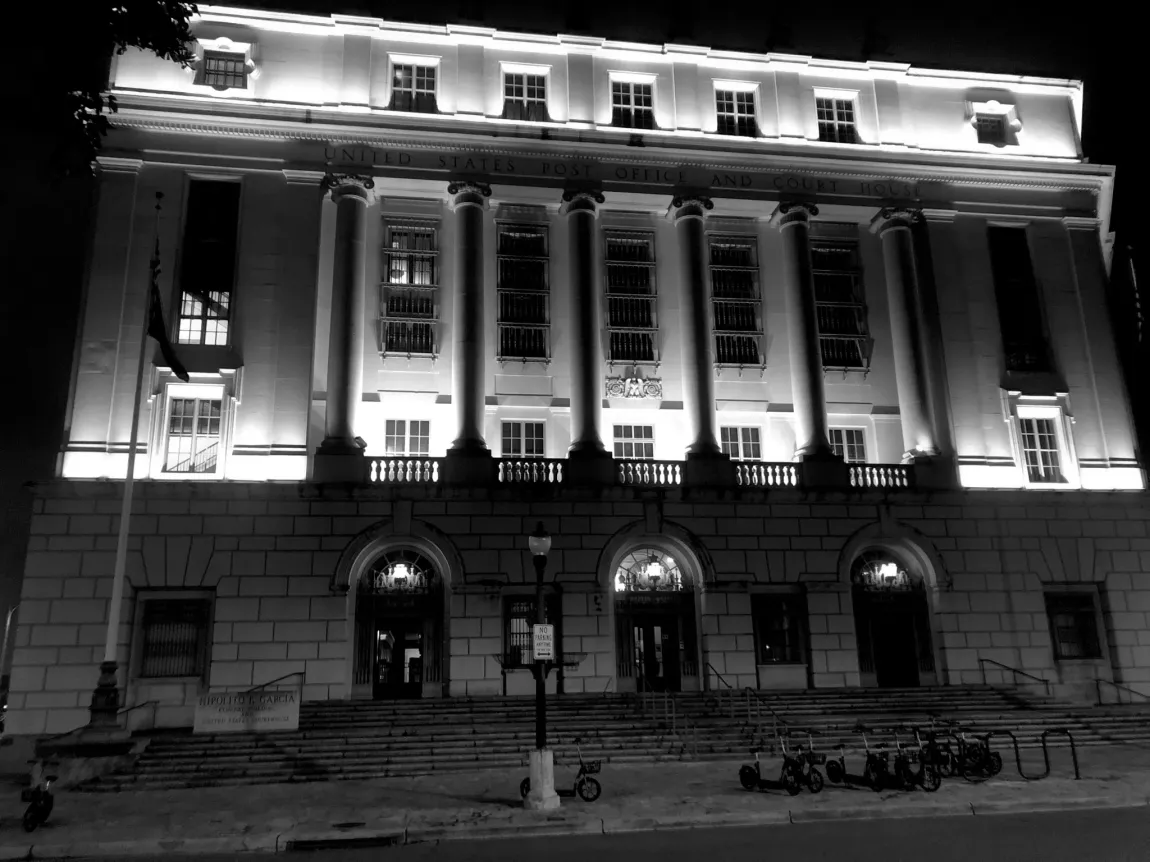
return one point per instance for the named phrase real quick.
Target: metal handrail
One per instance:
(1098, 681)
(671, 717)
(124, 711)
(982, 662)
(750, 696)
(298, 673)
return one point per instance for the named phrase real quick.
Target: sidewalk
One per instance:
(275, 818)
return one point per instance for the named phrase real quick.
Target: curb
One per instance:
(303, 840)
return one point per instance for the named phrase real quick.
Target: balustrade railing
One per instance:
(651, 473)
(403, 471)
(880, 476)
(531, 471)
(763, 475)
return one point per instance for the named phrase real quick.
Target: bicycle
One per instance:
(39, 795)
(586, 787)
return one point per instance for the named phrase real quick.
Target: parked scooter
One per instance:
(876, 771)
(837, 769)
(39, 795)
(586, 787)
(911, 768)
(751, 777)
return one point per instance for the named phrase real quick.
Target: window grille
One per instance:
(735, 110)
(632, 105)
(1073, 625)
(208, 262)
(1040, 450)
(223, 70)
(525, 97)
(523, 440)
(735, 300)
(413, 89)
(407, 436)
(991, 128)
(410, 289)
(635, 442)
(519, 615)
(741, 444)
(632, 324)
(839, 308)
(837, 120)
(849, 444)
(193, 438)
(175, 634)
(1019, 307)
(523, 292)
(780, 622)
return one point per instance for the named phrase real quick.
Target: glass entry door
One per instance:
(398, 658)
(655, 650)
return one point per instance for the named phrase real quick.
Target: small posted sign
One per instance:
(544, 641)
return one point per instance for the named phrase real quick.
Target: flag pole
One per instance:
(106, 698)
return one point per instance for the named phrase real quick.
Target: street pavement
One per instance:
(636, 798)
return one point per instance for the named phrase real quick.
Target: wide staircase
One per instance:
(340, 740)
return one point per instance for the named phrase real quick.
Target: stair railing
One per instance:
(753, 704)
(1118, 689)
(663, 709)
(726, 687)
(983, 662)
(279, 679)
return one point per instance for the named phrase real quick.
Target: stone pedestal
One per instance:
(338, 463)
(708, 469)
(824, 470)
(935, 472)
(467, 467)
(541, 770)
(589, 468)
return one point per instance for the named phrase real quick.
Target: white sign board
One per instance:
(239, 712)
(544, 637)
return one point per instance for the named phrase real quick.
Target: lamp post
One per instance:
(542, 796)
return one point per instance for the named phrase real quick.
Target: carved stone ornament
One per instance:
(460, 187)
(334, 181)
(634, 387)
(900, 214)
(787, 207)
(572, 195)
(702, 201)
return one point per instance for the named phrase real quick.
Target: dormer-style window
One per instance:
(995, 123)
(525, 97)
(413, 88)
(991, 129)
(224, 65)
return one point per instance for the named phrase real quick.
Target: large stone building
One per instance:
(805, 365)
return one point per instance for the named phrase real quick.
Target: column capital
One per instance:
(581, 200)
(468, 193)
(350, 187)
(889, 218)
(691, 206)
(793, 212)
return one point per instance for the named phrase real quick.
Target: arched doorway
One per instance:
(398, 627)
(655, 632)
(892, 621)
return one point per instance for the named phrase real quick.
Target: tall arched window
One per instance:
(399, 572)
(649, 570)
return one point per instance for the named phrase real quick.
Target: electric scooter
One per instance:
(906, 757)
(586, 788)
(751, 776)
(39, 795)
(876, 771)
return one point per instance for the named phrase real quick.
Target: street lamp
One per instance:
(542, 796)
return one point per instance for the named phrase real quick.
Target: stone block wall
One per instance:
(587, 630)
(476, 645)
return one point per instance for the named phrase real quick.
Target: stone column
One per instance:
(468, 459)
(339, 457)
(706, 463)
(590, 463)
(894, 229)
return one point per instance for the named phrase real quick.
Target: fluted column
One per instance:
(894, 229)
(340, 455)
(808, 393)
(579, 208)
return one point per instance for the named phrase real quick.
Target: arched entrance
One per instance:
(892, 621)
(398, 627)
(655, 632)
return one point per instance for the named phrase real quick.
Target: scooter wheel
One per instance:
(872, 779)
(748, 778)
(931, 780)
(31, 819)
(834, 771)
(815, 781)
(995, 763)
(588, 789)
(791, 783)
(524, 787)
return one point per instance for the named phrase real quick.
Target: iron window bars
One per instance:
(736, 303)
(632, 324)
(523, 292)
(410, 289)
(844, 339)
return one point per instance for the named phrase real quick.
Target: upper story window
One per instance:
(741, 444)
(413, 88)
(844, 339)
(410, 289)
(524, 293)
(525, 97)
(208, 262)
(849, 444)
(523, 440)
(837, 120)
(1040, 449)
(407, 436)
(995, 123)
(735, 300)
(223, 70)
(632, 325)
(990, 128)
(735, 112)
(1020, 314)
(632, 104)
(193, 431)
(1044, 448)
(634, 442)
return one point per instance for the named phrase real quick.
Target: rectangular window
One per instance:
(839, 308)
(742, 444)
(837, 120)
(1019, 306)
(523, 440)
(849, 444)
(780, 623)
(223, 70)
(632, 105)
(519, 615)
(631, 322)
(735, 110)
(635, 442)
(1073, 625)
(524, 292)
(175, 637)
(1040, 450)
(193, 435)
(413, 88)
(410, 300)
(525, 97)
(991, 128)
(208, 262)
(407, 436)
(735, 301)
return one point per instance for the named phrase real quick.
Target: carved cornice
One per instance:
(581, 200)
(468, 193)
(894, 218)
(793, 212)
(349, 187)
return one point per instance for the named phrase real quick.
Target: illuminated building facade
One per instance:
(806, 366)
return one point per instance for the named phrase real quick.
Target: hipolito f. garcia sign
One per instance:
(239, 712)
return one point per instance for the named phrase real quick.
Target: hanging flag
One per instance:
(156, 327)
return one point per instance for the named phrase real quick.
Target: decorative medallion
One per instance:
(634, 387)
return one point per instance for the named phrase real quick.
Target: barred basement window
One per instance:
(632, 105)
(849, 444)
(1040, 449)
(525, 97)
(193, 435)
(524, 292)
(175, 637)
(223, 70)
(735, 300)
(413, 89)
(407, 437)
(991, 129)
(523, 440)
(632, 325)
(208, 262)
(1073, 625)
(837, 120)
(519, 615)
(839, 308)
(410, 289)
(779, 622)
(635, 442)
(741, 444)
(735, 110)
